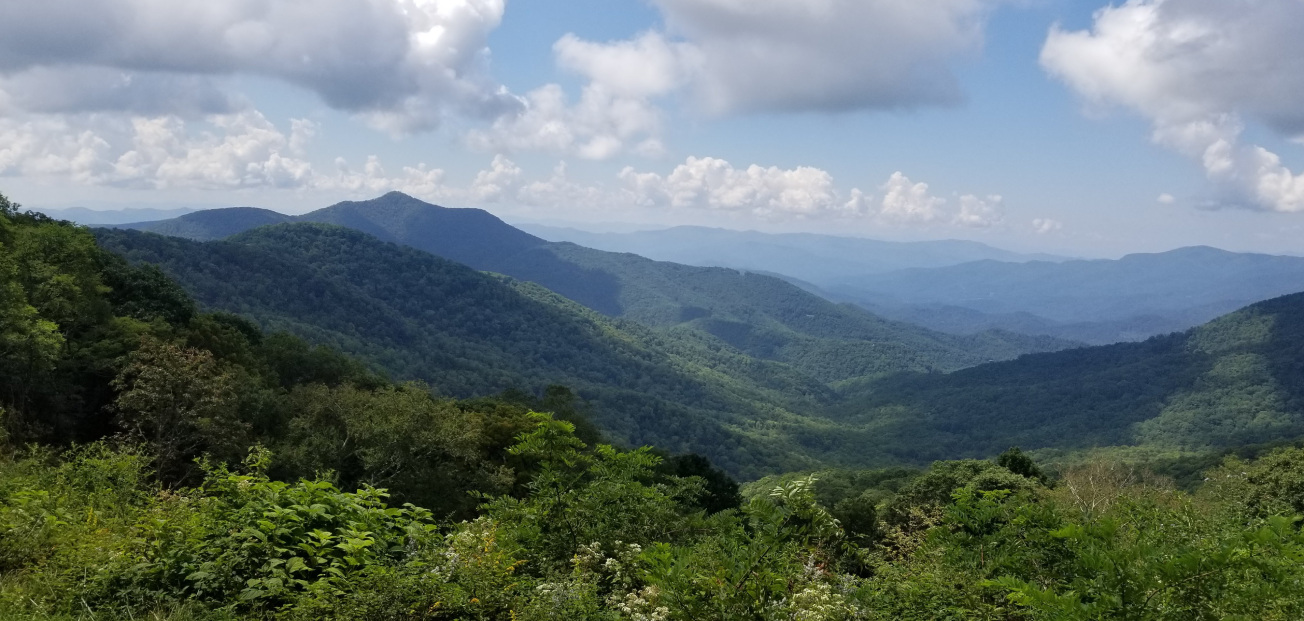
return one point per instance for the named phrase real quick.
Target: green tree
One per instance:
(181, 402)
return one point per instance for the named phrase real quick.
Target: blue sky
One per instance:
(1053, 125)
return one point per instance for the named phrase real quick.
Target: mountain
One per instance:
(964, 287)
(961, 320)
(1233, 381)
(1133, 297)
(819, 259)
(755, 379)
(212, 224)
(761, 315)
(468, 333)
(103, 217)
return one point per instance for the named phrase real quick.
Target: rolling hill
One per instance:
(1233, 381)
(963, 287)
(763, 316)
(468, 333)
(1096, 301)
(679, 381)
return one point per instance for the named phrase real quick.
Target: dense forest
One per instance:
(1232, 382)
(748, 370)
(466, 333)
(763, 316)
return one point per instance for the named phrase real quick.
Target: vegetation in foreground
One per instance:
(598, 533)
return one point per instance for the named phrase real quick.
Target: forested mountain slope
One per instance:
(761, 315)
(211, 224)
(1236, 380)
(468, 333)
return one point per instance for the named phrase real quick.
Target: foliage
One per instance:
(598, 533)
(529, 515)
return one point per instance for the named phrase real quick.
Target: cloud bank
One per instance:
(1198, 69)
(728, 57)
(403, 64)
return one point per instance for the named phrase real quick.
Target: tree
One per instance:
(1017, 462)
(181, 402)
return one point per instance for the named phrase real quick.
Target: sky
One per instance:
(1066, 126)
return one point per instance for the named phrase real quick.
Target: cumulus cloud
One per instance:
(648, 66)
(744, 56)
(402, 63)
(599, 126)
(1043, 226)
(560, 190)
(235, 151)
(979, 213)
(905, 202)
(616, 111)
(778, 55)
(1198, 69)
(501, 177)
(804, 192)
(712, 183)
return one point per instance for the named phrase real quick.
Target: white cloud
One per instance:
(1166, 199)
(779, 55)
(979, 213)
(372, 179)
(743, 56)
(52, 147)
(491, 184)
(711, 183)
(648, 66)
(560, 191)
(1196, 69)
(616, 106)
(224, 152)
(233, 151)
(714, 184)
(402, 63)
(596, 128)
(1042, 226)
(906, 202)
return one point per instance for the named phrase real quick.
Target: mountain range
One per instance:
(467, 333)
(963, 287)
(113, 217)
(758, 314)
(750, 370)
(818, 259)
(1094, 301)
(1236, 380)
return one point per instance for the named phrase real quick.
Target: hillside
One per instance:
(467, 333)
(764, 316)
(1133, 297)
(211, 224)
(1236, 380)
